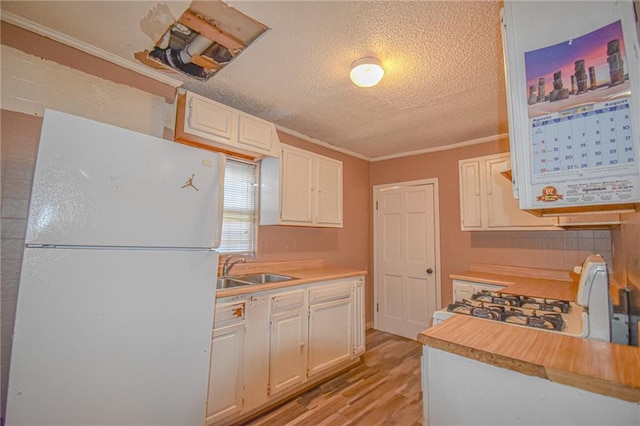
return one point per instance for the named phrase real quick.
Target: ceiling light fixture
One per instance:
(366, 72)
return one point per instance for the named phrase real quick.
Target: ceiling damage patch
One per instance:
(203, 40)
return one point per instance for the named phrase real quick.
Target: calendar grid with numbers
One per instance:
(587, 138)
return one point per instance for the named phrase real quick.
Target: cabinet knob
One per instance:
(429, 271)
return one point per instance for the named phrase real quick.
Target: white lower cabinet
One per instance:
(271, 344)
(227, 357)
(330, 326)
(359, 337)
(500, 396)
(288, 341)
(465, 289)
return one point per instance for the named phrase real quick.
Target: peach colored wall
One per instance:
(43, 47)
(542, 249)
(349, 246)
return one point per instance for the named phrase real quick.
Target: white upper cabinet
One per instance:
(210, 118)
(329, 192)
(297, 183)
(486, 198)
(301, 188)
(470, 198)
(208, 124)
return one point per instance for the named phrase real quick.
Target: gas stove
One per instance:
(590, 316)
(547, 314)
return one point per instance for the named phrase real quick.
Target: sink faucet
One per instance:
(226, 267)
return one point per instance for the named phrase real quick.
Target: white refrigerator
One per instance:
(115, 305)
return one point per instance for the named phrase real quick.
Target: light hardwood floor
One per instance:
(384, 390)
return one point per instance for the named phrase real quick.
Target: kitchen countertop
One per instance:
(600, 367)
(525, 286)
(550, 284)
(303, 272)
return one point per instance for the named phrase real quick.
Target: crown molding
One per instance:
(320, 143)
(470, 142)
(34, 27)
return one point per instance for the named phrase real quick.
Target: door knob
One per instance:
(429, 271)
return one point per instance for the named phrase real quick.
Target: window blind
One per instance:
(239, 218)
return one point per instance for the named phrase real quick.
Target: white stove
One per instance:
(590, 316)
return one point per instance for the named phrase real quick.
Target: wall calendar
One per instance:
(576, 110)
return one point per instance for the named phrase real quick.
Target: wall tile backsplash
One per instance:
(540, 249)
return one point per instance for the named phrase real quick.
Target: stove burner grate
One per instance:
(512, 309)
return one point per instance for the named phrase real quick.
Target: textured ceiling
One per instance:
(444, 81)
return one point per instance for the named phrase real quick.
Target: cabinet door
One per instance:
(254, 133)
(225, 374)
(297, 185)
(287, 350)
(502, 209)
(330, 334)
(329, 192)
(211, 118)
(359, 333)
(287, 340)
(470, 195)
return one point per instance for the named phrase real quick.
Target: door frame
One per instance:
(436, 216)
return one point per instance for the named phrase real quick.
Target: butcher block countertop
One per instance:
(546, 283)
(600, 367)
(304, 271)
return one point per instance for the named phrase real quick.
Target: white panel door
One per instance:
(406, 244)
(116, 337)
(100, 185)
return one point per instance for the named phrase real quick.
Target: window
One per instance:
(239, 218)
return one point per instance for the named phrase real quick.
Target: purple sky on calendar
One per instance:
(591, 47)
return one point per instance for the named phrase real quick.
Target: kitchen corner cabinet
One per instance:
(301, 188)
(269, 345)
(486, 198)
(208, 124)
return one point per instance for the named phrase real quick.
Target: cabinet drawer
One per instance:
(287, 301)
(229, 313)
(329, 292)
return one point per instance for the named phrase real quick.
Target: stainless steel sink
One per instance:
(227, 282)
(263, 278)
